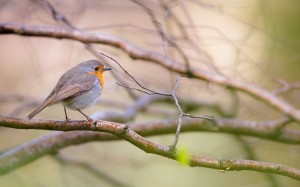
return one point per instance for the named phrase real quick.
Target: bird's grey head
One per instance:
(93, 65)
(90, 65)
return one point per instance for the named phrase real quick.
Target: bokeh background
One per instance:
(252, 40)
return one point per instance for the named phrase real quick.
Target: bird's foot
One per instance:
(89, 121)
(67, 119)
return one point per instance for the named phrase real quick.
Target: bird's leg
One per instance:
(87, 117)
(67, 119)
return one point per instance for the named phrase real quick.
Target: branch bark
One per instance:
(53, 142)
(264, 129)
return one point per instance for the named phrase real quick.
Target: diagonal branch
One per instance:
(162, 33)
(57, 16)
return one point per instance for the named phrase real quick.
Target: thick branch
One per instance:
(265, 129)
(50, 143)
(138, 53)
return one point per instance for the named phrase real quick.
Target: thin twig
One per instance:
(57, 16)
(150, 92)
(103, 58)
(286, 86)
(140, 90)
(173, 146)
(180, 115)
(191, 41)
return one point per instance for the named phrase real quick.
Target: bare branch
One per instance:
(34, 149)
(263, 129)
(57, 16)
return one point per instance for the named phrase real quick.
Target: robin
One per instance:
(77, 89)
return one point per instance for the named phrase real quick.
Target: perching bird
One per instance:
(77, 89)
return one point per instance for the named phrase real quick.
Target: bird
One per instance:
(77, 89)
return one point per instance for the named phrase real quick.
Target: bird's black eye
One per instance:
(96, 68)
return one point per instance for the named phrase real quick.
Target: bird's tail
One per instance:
(45, 104)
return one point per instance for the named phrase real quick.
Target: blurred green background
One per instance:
(252, 40)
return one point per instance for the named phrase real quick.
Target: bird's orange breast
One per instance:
(100, 77)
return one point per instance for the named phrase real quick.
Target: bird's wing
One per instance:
(70, 88)
(74, 87)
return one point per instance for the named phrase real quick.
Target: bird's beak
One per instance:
(106, 69)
